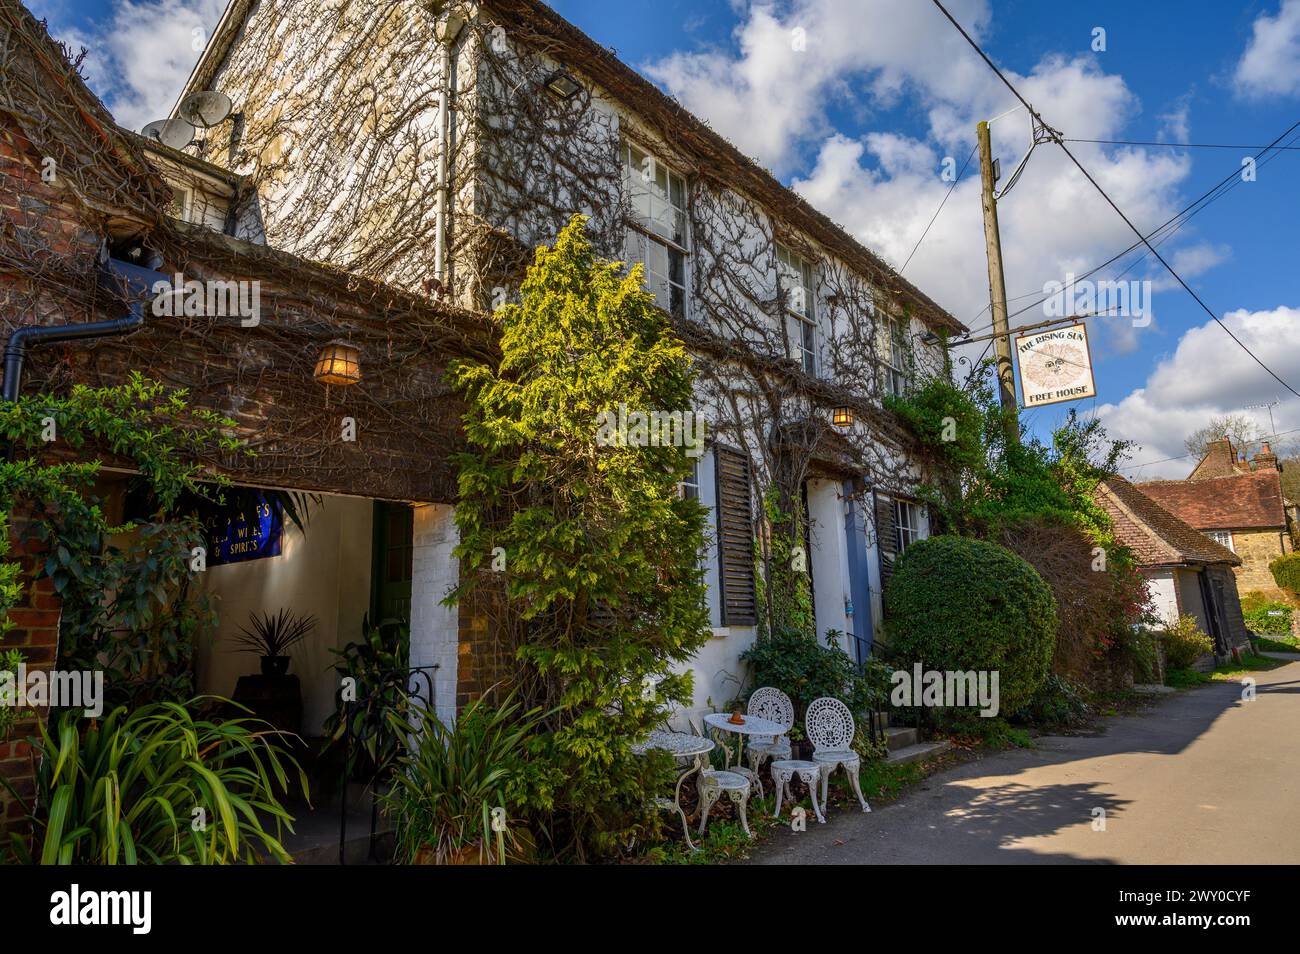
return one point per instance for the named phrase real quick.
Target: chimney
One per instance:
(1266, 459)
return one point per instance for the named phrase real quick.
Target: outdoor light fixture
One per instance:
(842, 417)
(562, 84)
(339, 363)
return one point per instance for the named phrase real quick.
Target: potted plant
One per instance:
(450, 796)
(271, 637)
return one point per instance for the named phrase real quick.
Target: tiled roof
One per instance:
(1241, 502)
(1156, 536)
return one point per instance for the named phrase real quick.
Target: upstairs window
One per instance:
(657, 233)
(796, 278)
(1222, 537)
(894, 353)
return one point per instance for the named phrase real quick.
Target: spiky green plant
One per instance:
(274, 635)
(156, 785)
(451, 778)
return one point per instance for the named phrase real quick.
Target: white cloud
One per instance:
(1270, 64)
(884, 187)
(141, 55)
(1208, 375)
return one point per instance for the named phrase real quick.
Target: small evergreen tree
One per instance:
(586, 549)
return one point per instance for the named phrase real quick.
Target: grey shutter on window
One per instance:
(886, 539)
(735, 538)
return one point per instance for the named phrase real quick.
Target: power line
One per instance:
(1176, 145)
(1109, 201)
(946, 196)
(1165, 460)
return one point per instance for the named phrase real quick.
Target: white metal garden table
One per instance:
(680, 746)
(751, 725)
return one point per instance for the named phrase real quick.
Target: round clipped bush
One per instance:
(1286, 572)
(961, 604)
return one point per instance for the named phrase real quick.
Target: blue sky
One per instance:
(860, 118)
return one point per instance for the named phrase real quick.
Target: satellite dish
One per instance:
(176, 133)
(204, 109)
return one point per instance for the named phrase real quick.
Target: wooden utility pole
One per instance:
(997, 289)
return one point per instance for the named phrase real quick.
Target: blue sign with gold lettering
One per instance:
(243, 536)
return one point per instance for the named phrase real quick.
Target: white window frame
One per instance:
(184, 198)
(909, 524)
(663, 225)
(1221, 537)
(800, 276)
(689, 488)
(894, 332)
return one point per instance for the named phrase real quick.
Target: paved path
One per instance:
(1203, 777)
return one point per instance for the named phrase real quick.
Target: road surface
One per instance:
(1202, 777)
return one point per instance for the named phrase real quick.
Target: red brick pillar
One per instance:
(36, 636)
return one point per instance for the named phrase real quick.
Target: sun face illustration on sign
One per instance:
(1054, 365)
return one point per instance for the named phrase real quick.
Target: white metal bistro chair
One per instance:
(831, 728)
(773, 704)
(712, 784)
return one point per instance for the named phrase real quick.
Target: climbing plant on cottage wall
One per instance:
(343, 148)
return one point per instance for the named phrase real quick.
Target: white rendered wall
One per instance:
(434, 627)
(325, 573)
(828, 560)
(1164, 594)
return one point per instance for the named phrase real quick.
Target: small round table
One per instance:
(753, 725)
(679, 746)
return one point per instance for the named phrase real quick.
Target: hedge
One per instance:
(962, 604)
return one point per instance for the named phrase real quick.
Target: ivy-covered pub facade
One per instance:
(384, 198)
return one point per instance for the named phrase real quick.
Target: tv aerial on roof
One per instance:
(176, 133)
(205, 108)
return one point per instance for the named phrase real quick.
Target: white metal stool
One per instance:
(713, 784)
(809, 772)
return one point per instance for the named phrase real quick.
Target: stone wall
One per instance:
(1257, 548)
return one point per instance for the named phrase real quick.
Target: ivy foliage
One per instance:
(985, 484)
(128, 604)
(601, 598)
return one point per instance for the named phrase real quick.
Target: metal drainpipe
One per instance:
(448, 31)
(139, 280)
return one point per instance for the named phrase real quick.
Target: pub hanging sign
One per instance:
(1055, 366)
(240, 534)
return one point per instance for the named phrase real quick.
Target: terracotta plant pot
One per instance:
(468, 855)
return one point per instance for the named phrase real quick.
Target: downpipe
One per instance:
(139, 282)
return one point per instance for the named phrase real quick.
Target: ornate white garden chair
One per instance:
(712, 784)
(772, 704)
(831, 728)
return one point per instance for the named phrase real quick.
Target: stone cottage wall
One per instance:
(1258, 548)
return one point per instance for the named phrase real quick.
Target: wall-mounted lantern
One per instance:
(562, 84)
(339, 363)
(842, 417)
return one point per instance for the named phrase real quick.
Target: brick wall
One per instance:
(36, 636)
(482, 658)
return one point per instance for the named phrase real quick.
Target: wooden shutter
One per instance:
(735, 538)
(886, 539)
